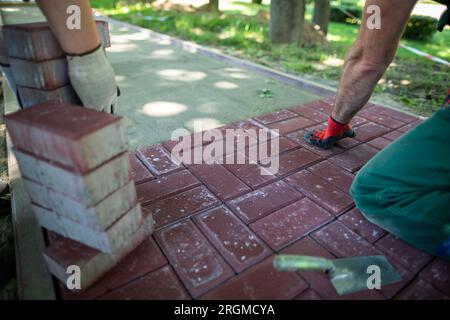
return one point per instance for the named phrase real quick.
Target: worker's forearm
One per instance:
(73, 41)
(370, 56)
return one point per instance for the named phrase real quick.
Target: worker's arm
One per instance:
(370, 56)
(91, 75)
(365, 64)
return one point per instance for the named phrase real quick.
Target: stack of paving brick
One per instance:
(39, 64)
(76, 168)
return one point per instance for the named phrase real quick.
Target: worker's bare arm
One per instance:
(73, 41)
(370, 56)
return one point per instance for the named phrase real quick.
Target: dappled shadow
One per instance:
(165, 88)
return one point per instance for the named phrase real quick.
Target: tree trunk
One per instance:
(214, 5)
(321, 15)
(287, 18)
(257, 1)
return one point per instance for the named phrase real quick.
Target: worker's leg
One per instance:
(72, 41)
(405, 189)
(366, 62)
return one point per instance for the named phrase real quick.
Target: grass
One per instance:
(240, 30)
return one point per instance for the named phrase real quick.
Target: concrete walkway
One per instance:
(165, 88)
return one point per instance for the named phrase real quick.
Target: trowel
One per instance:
(347, 275)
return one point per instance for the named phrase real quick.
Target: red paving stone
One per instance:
(139, 172)
(320, 191)
(220, 181)
(421, 290)
(146, 258)
(291, 223)
(355, 221)
(162, 284)
(218, 226)
(291, 125)
(239, 246)
(165, 186)
(410, 257)
(334, 175)
(261, 282)
(259, 203)
(197, 263)
(158, 160)
(438, 274)
(379, 143)
(352, 160)
(181, 205)
(369, 131)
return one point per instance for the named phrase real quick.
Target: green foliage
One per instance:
(420, 28)
(338, 15)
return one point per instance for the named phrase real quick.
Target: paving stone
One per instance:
(393, 135)
(410, 126)
(291, 125)
(311, 112)
(259, 203)
(391, 113)
(369, 131)
(240, 247)
(30, 97)
(194, 259)
(356, 222)
(357, 121)
(181, 205)
(64, 252)
(158, 160)
(79, 138)
(47, 75)
(220, 181)
(339, 178)
(261, 282)
(380, 119)
(420, 290)
(309, 294)
(379, 143)
(276, 116)
(252, 174)
(166, 186)
(108, 240)
(352, 160)
(298, 137)
(98, 217)
(161, 284)
(139, 172)
(89, 188)
(325, 106)
(320, 191)
(291, 223)
(343, 242)
(25, 41)
(318, 281)
(266, 149)
(410, 257)
(295, 160)
(147, 257)
(250, 127)
(438, 274)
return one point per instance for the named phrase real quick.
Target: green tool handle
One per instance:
(284, 262)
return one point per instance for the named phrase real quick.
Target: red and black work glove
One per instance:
(334, 132)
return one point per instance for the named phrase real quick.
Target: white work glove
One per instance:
(92, 78)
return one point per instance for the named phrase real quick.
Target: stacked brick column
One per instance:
(39, 64)
(75, 165)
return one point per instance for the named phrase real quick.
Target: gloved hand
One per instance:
(92, 78)
(334, 132)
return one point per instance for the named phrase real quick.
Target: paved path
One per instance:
(165, 88)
